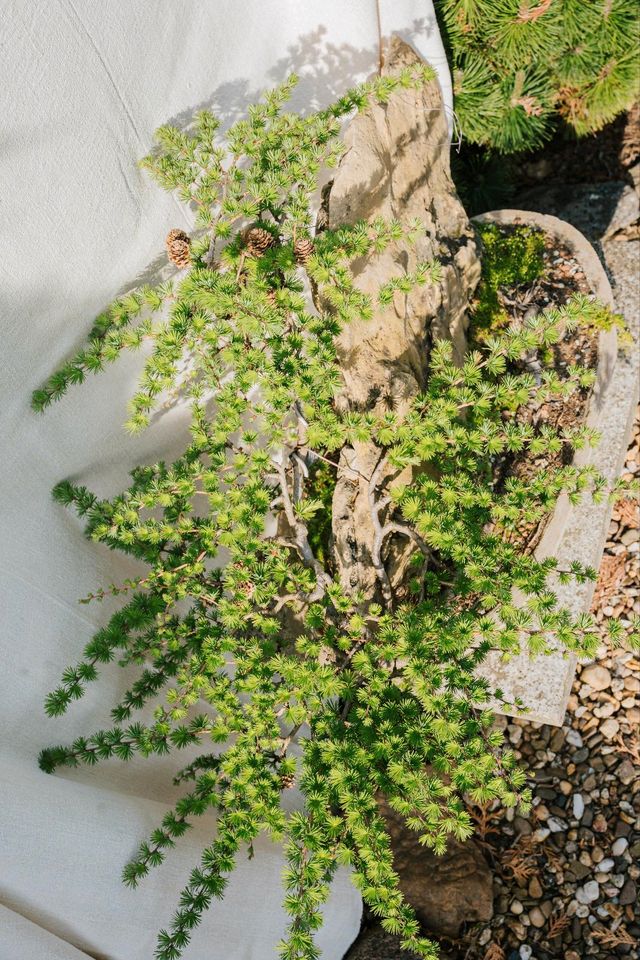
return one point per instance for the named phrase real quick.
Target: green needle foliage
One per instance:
(365, 696)
(520, 65)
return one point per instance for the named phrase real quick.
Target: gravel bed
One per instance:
(567, 875)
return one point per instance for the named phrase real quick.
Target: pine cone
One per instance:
(287, 781)
(303, 248)
(257, 240)
(179, 248)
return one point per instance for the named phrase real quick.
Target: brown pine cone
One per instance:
(287, 781)
(179, 248)
(257, 240)
(303, 248)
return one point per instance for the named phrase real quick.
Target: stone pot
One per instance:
(543, 683)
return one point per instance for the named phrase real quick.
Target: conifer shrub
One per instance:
(367, 696)
(521, 65)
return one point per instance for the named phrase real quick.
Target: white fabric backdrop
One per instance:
(83, 84)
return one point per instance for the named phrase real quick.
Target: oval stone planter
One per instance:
(543, 684)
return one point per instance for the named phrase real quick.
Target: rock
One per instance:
(596, 676)
(606, 865)
(535, 888)
(446, 892)
(579, 870)
(600, 824)
(609, 728)
(537, 917)
(516, 907)
(374, 944)
(556, 825)
(619, 846)
(541, 834)
(574, 738)
(522, 826)
(588, 893)
(525, 952)
(629, 893)
(577, 806)
(396, 166)
(626, 773)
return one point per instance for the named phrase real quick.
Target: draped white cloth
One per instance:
(83, 84)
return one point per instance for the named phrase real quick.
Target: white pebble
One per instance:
(574, 738)
(619, 846)
(605, 865)
(556, 825)
(525, 952)
(578, 806)
(541, 834)
(588, 893)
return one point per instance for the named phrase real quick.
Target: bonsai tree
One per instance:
(251, 650)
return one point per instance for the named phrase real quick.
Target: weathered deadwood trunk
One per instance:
(396, 166)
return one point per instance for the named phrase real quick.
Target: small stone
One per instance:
(619, 846)
(626, 772)
(609, 728)
(525, 952)
(588, 893)
(605, 865)
(579, 870)
(629, 893)
(606, 710)
(535, 888)
(565, 787)
(556, 825)
(574, 738)
(515, 734)
(537, 918)
(516, 907)
(600, 824)
(596, 676)
(577, 806)
(572, 955)
(541, 834)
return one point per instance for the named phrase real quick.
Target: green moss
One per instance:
(510, 258)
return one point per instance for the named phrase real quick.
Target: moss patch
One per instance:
(511, 257)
